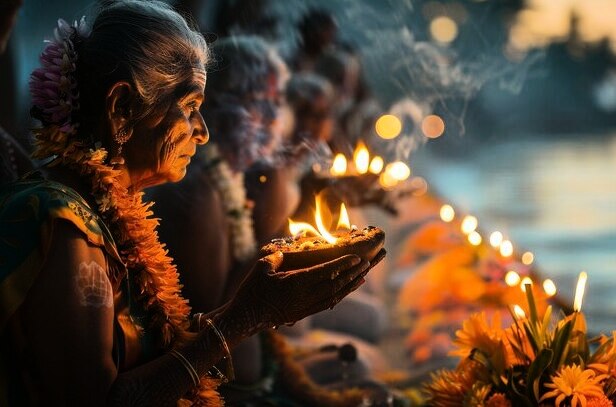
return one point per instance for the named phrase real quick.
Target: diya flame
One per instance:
(299, 228)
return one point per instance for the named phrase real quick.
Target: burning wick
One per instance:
(300, 228)
(526, 281)
(579, 291)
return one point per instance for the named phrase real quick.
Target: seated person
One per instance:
(91, 311)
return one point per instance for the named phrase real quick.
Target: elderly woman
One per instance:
(241, 109)
(91, 311)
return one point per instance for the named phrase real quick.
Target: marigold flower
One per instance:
(498, 400)
(448, 388)
(573, 383)
(601, 401)
(477, 334)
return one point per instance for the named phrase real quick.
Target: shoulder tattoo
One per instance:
(93, 286)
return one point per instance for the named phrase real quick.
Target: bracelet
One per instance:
(191, 370)
(229, 361)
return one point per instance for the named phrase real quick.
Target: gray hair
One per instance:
(145, 43)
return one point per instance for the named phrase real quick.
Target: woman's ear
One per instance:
(118, 105)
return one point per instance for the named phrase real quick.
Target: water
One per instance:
(556, 198)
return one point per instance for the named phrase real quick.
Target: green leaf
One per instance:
(536, 369)
(518, 398)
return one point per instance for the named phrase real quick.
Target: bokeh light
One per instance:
(262, 179)
(447, 213)
(469, 224)
(512, 278)
(474, 238)
(443, 29)
(388, 126)
(549, 287)
(387, 181)
(432, 126)
(496, 238)
(506, 248)
(398, 170)
(525, 281)
(528, 258)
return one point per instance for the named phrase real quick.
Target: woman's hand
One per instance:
(268, 298)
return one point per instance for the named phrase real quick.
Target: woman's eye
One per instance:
(192, 107)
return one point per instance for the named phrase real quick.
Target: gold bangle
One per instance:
(229, 361)
(191, 370)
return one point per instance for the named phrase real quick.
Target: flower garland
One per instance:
(231, 187)
(55, 100)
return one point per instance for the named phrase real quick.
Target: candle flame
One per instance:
(518, 311)
(579, 291)
(343, 220)
(320, 226)
(339, 166)
(376, 165)
(361, 157)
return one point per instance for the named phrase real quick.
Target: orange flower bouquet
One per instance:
(535, 361)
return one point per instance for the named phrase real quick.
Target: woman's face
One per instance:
(163, 143)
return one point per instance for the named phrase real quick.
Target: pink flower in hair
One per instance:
(53, 86)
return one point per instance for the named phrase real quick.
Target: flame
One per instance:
(361, 157)
(343, 221)
(339, 166)
(298, 228)
(376, 165)
(319, 221)
(579, 291)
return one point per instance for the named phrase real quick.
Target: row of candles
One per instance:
(468, 226)
(389, 175)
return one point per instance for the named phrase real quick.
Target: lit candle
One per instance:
(579, 291)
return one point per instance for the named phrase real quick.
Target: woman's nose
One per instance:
(201, 132)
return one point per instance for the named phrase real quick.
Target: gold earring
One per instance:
(120, 138)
